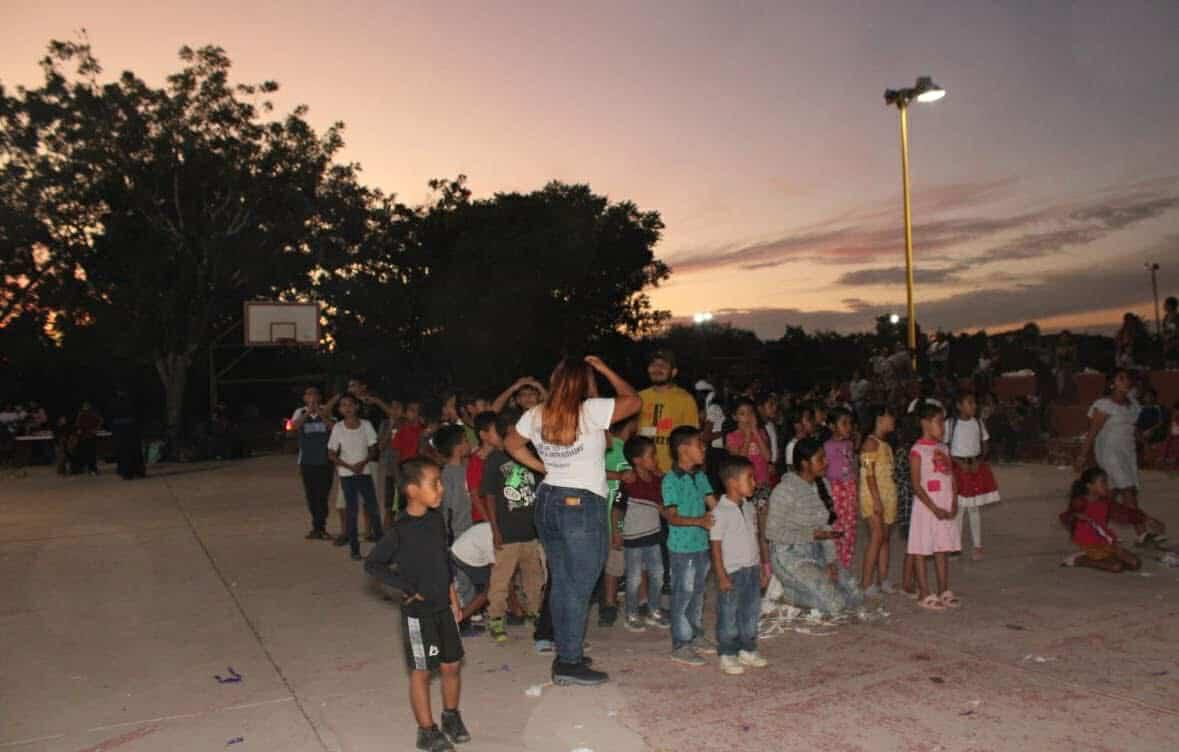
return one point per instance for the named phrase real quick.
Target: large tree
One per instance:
(472, 292)
(154, 212)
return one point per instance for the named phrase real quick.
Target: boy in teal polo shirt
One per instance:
(687, 499)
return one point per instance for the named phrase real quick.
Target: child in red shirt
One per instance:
(1087, 518)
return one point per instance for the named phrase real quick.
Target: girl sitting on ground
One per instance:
(1087, 519)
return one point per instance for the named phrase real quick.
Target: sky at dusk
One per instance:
(1041, 184)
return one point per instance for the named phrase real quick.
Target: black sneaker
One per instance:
(607, 615)
(341, 540)
(513, 620)
(433, 740)
(356, 556)
(452, 726)
(580, 674)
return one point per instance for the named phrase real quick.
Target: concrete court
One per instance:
(119, 602)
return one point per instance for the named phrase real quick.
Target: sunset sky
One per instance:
(1041, 183)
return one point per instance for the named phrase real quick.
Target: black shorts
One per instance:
(430, 639)
(480, 577)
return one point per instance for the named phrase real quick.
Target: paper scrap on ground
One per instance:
(233, 678)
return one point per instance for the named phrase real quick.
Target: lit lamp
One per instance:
(925, 90)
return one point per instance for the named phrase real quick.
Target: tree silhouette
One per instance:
(152, 213)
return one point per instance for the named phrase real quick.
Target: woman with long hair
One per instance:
(568, 433)
(800, 530)
(1112, 423)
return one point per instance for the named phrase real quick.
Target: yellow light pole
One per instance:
(925, 90)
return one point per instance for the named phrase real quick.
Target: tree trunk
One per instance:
(173, 370)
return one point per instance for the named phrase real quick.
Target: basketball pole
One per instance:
(213, 364)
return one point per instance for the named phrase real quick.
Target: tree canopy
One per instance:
(137, 219)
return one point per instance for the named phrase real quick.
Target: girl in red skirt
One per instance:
(842, 480)
(967, 438)
(1087, 519)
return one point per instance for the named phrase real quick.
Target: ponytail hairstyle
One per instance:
(1080, 487)
(874, 413)
(569, 387)
(803, 451)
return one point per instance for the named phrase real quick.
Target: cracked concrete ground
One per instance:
(120, 602)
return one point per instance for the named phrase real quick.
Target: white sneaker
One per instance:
(753, 660)
(887, 588)
(873, 591)
(731, 665)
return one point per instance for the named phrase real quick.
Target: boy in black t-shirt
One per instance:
(509, 491)
(414, 558)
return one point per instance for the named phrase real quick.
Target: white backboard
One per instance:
(267, 324)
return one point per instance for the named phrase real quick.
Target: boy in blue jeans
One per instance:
(687, 499)
(739, 575)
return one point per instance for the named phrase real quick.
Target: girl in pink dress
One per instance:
(933, 529)
(842, 480)
(751, 441)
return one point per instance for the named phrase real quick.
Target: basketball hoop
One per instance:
(286, 325)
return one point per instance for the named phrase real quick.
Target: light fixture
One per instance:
(702, 317)
(894, 319)
(925, 90)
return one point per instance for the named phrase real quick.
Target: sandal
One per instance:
(949, 600)
(931, 603)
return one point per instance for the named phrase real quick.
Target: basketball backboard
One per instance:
(269, 324)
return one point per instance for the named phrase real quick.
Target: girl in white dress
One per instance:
(1112, 422)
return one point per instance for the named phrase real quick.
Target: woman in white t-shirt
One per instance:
(1112, 424)
(568, 433)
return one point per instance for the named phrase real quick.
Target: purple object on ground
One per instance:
(233, 678)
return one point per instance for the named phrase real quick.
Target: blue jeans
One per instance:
(688, 573)
(572, 527)
(638, 560)
(804, 571)
(737, 613)
(353, 487)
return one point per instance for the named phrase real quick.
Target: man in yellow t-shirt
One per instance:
(665, 406)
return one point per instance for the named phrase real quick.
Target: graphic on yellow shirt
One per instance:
(664, 411)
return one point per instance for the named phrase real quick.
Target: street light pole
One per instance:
(909, 308)
(925, 90)
(1154, 287)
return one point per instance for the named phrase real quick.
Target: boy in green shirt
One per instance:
(687, 499)
(618, 470)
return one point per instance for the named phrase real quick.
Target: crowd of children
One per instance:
(771, 489)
